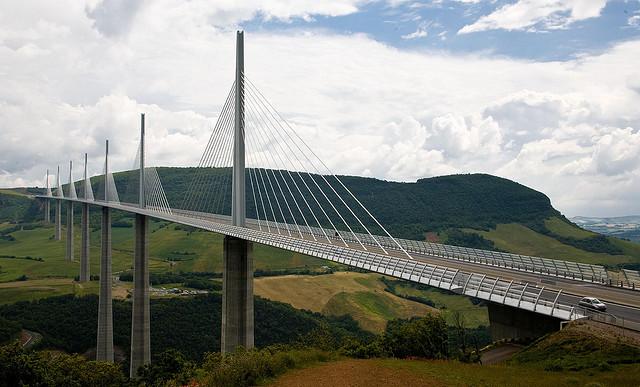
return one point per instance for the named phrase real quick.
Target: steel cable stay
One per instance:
(213, 166)
(343, 202)
(287, 170)
(303, 181)
(213, 163)
(275, 196)
(275, 164)
(266, 102)
(214, 196)
(273, 214)
(192, 190)
(326, 197)
(250, 169)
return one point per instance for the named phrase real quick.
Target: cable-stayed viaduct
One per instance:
(301, 206)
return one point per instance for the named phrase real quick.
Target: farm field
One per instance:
(362, 296)
(38, 255)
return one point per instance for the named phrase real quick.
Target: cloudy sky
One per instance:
(544, 92)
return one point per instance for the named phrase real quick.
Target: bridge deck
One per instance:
(495, 284)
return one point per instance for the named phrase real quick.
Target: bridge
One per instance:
(259, 182)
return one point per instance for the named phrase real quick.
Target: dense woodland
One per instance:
(419, 337)
(190, 325)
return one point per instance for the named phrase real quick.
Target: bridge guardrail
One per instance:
(632, 277)
(608, 318)
(550, 267)
(524, 296)
(519, 295)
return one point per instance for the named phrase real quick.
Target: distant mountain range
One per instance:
(627, 227)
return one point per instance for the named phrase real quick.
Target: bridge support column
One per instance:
(84, 253)
(47, 211)
(58, 219)
(104, 348)
(507, 322)
(140, 319)
(70, 231)
(237, 295)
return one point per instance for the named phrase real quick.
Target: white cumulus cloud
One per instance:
(527, 14)
(68, 81)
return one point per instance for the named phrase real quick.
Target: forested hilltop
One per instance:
(477, 201)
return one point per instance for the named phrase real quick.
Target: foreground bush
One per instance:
(425, 337)
(24, 368)
(247, 368)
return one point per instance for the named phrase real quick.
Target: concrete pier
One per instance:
(104, 348)
(140, 318)
(70, 231)
(58, 220)
(237, 278)
(47, 211)
(237, 295)
(84, 249)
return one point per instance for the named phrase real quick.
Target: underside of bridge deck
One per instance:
(507, 322)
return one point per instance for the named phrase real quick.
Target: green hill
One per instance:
(477, 201)
(473, 210)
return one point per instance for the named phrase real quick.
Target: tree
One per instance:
(422, 337)
(170, 365)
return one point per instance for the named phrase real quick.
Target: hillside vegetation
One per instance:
(190, 325)
(581, 345)
(409, 353)
(367, 298)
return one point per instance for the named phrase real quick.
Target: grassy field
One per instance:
(30, 290)
(11, 292)
(357, 294)
(474, 315)
(560, 227)
(519, 239)
(363, 297)
(11, 192)
(167, 244)
(39, 243)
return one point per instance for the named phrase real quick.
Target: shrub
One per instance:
(248, 368)
(422, 337)
(8, 330)
(168, 366)
(19, 367)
